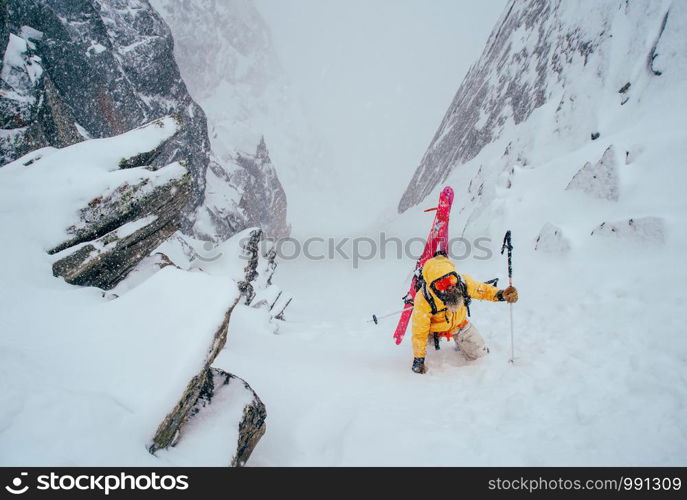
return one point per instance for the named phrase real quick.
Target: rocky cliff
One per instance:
(89, 69)
(227, 58)
(73, 71)
(567, 59)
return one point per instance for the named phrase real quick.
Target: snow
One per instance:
(16, 47)
(131, 227)
(599, 376)
(82, 131)
(17, 58)
(95, 48)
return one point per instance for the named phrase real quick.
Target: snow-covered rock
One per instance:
(551, 240)
(638, 229)
(566, 60)
(204, 386)
(232, 70)
(601, 179)
(249, 187)
(99, 69)
(96, 219)
(116, 363)
(106, 68)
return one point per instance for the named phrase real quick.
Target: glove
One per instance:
(419, 365)
(510, 294)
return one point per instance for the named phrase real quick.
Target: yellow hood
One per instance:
(435, 268)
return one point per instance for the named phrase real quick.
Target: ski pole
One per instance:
(376, 318)
(508, 245)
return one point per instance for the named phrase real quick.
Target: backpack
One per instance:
(421, 284)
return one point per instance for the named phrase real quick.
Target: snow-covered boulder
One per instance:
(551, 240)
(111, 218)
(600, 180)
(232, 70)
(230, 414)
(639, 229)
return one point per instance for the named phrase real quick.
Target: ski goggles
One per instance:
(445, 282)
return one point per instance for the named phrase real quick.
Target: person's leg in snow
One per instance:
(470, 342)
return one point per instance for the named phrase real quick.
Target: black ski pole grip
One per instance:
(508, 245)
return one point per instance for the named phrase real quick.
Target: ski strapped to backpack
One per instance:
(436, 241)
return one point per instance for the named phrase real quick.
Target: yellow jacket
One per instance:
(444, 321)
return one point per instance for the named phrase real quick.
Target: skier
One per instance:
(441, 307)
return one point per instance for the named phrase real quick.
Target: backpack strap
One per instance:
(430, 299)
(463, 288)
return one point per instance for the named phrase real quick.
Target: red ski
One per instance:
(437, 240)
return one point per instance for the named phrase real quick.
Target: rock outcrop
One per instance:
(234, 73)
(139, 209)
(600, 180)
(551, 240)
(133, 222)
(96, 69)
(268, 210)
(251, 426)
(244, 193)
(636, 230)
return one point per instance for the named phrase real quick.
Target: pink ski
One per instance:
(437, 240)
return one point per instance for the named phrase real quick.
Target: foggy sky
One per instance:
(376, 77)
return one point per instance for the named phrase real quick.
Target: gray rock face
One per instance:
(246, 194)
(232, 71)
(492, 92)
(120, 230)
(542, 51)
(106, 66)
(600, 180)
